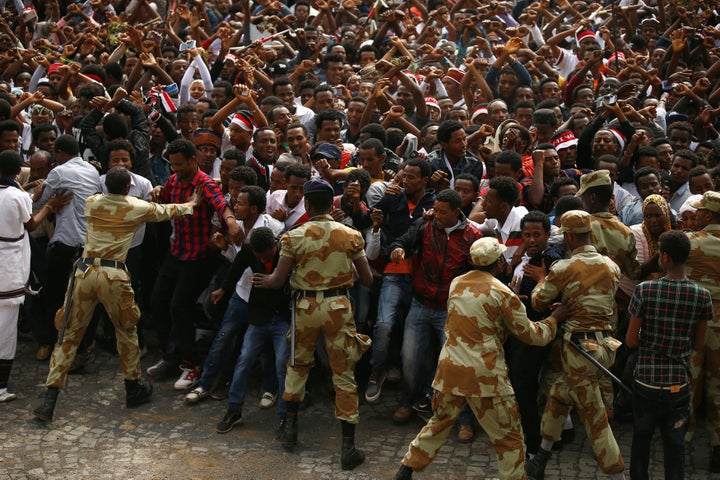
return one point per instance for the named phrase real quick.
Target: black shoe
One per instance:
(229, 421)
(350, 457)
(535, 468)
(137, 393)
(280, 430)
(404, 473)
(45, 412)
(715, 460)
(288, 439)
(423, 407)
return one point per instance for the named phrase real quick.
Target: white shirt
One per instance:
(509, 232)
(243, 286)
(15, 211)
(80, 178)
(277, 201)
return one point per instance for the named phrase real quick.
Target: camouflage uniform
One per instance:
(471, 369)
(703, 267)
(323, 252)
(590, 279)
(112, 221)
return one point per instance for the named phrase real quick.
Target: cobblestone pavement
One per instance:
(95, 436)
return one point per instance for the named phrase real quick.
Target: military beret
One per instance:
(317, 185)
(710, 201)
(597, 178)
(327, 150)
(486, 251)
(575, 221)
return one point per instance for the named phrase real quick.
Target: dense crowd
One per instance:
(455, 168)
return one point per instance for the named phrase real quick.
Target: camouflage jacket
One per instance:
(482, 312)
(703, 264)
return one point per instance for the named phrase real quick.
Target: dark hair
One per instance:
(470, 177)
(375, 130)
(262, 239)
(330, 115)
(298, 125)
(185, 109)
(567, 203)
(115, 126)
(646, 152)
(536, 216)
(50, 86)
(9, 126)
(446, 129)
(225, 85)
(42, 128)
(689, 155)
(319, 201)
(676, 244)
(544, 116)
(361, 176)
(298, 170)
(183, 146)
(121, 144)
(234, 154)
(509, 157)
(422, 164)
(281, 82)
(114, 70)
(607, 158)
(450, 197)
(685, 126)
(698, 171)
(10, 163)
(506, 189)
(94, 70)
(333, 57)
(245, 174)
(256, 196)
(560, 182)
(644, 172)
(117, 180)
(259, 130)
(66, 144)
(374, 144)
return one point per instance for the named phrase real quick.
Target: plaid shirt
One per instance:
(669, 310)
(191, 234)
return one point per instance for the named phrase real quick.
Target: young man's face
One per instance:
(119, 158)
(445, 216)
(535, 237)
(467, 192)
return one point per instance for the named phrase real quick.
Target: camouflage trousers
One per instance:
(498, 416)
(579, 386)
(331, 317)
(706, 379)
(111, 287)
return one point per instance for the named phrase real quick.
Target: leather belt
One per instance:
(333, 292)
(103, 263)
(590, 335)
(671, 388)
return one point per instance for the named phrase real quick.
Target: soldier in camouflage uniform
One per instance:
(323, 253)
(482, 311)
(703, 267)
(591, 280)
(100, 276)
(616, 241)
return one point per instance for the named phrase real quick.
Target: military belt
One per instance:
(103, 263)
(590, 335)
(333, 292)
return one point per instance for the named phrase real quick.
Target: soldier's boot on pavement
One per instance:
(45, 412)
(288, 437)
(715, 460)
(404, 473)
(535, 467)
(137, 393)
(350, 456)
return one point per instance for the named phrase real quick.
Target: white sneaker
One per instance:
(268, 400)
(6, 396)
(189, 378)
(199, 393)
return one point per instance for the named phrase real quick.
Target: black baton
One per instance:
(600, 366)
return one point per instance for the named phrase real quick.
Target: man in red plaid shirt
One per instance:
(189, 266)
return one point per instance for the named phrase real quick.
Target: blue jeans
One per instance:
(395, 295)
(421, 323)
(669, 411)
(221, 351)
(256, 337)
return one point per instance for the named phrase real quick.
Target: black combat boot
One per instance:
(137, 393)
(350, 456)
(45, 412)
(405, 473)
(715, 460)
(288, 436)
(535, 467)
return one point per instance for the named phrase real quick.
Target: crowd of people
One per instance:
(419, 184)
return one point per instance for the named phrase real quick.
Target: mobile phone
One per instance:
(337, 90)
